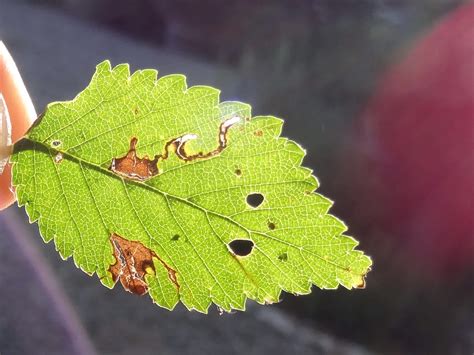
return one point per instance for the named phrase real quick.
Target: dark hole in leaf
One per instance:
(175, 237)
(241, 247)
(283, 257)
(238, 172)
(271, 225)
(55, 143)
(255, 200)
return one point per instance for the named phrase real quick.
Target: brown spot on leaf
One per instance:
(283, 257)
(238, 172)
(271, 225)
(133, 262)
(258, 133)
(173, 276)
(362, 284)
(133, 167)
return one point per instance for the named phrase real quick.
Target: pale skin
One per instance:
(21, 114)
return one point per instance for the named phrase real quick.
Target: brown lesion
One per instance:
(133, 167)
(132, 262)
(141, 169)
(361, 285)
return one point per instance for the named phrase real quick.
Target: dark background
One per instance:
(316, 63)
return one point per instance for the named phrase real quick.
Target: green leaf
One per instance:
(169, 191)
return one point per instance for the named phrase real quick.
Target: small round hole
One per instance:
(241, 247)
(255, 200)
(271, 225)
(238, 172)
(56, 143)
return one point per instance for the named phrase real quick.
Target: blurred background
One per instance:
(379, 92)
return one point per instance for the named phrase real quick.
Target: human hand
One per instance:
(17, 111)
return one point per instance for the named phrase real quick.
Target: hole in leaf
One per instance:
(255, 200)
(55, 143)
(238, 172)
(283, 257)
(271, 225)
(175, 237)
(241, 247)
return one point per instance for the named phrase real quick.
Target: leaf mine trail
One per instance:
(141, 169)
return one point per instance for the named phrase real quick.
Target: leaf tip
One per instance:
(104, 66)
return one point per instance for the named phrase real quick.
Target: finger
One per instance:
(22, 114)
(19, 104)
(7, 197)
(5, 134)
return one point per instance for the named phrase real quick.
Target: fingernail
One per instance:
(5, 134)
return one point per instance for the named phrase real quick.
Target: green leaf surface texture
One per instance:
(194, 207)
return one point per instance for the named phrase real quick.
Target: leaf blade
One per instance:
(188, 214)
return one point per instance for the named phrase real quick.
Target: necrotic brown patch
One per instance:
(133, 167)
(133, 262)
